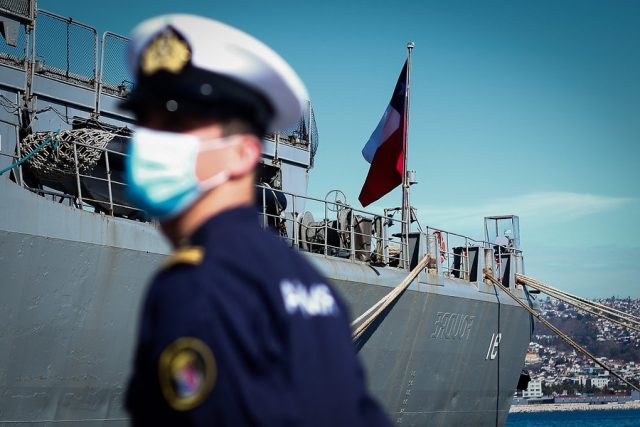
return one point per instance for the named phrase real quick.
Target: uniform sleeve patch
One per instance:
(187, 372)
(192, 255)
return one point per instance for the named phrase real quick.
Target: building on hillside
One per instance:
(534, 390)
(599, 382)
(532, 357)
(580, 379)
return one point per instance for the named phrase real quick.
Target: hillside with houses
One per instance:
(557, 369)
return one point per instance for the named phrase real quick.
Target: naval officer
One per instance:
(237, 329)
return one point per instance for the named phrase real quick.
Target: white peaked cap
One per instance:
(229, 52)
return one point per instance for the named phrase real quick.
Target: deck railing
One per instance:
(324, 227)
(459, 254)
(335, 233)
(337, 229)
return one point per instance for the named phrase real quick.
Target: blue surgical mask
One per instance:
(161, 171)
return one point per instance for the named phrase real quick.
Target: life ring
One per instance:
(443, 245)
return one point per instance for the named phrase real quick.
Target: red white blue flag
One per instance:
(385, 148)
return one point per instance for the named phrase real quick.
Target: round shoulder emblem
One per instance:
(187, 372)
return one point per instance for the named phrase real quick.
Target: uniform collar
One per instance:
(243, 215)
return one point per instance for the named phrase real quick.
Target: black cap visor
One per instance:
(201, 92)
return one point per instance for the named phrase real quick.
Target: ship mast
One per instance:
(406, 206)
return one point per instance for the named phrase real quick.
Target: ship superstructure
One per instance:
(75, 256)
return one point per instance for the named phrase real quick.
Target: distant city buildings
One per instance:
(556, 369)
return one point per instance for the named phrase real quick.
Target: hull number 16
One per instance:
(492, 352)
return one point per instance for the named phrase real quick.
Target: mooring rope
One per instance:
(583, 307)
(368, 317)
(582, 304)
(557, 331)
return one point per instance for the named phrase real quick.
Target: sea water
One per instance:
(607, 418)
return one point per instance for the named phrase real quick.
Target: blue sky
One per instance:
(518, 107)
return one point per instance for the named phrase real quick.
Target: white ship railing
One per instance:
(345, 234)
(339, 236)
(337, 230)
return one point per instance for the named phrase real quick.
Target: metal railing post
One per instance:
(309, 137)
(294, 222)
(100, 74)
(19, 148)
(275, 150)
(106, 158)
(352, 236)
(447, 254)
(95, 59)
(406, 240)
(326, 230)
(28, 84)
(264, 209)
(75, 159)
(385, 240)
(467, 273)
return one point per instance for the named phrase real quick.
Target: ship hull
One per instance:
(72, 283)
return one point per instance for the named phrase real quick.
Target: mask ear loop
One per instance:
(222, 176)
(214, 181)
(216, 143)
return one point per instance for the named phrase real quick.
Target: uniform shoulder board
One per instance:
(192, 255)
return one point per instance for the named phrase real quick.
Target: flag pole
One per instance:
(406, 206)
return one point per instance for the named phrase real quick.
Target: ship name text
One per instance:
(452, 326)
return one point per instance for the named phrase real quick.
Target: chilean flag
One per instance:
(385, 148)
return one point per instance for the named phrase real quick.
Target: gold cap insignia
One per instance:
(167, 51)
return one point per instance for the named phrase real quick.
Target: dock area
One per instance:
(582, 406)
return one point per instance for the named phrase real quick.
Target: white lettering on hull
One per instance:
(492, 351)
(452, 326)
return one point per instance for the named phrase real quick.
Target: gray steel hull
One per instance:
(72, 282)
(429, 372)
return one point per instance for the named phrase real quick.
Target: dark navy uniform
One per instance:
(239, 329)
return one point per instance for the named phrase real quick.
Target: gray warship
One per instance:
(75, 258)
